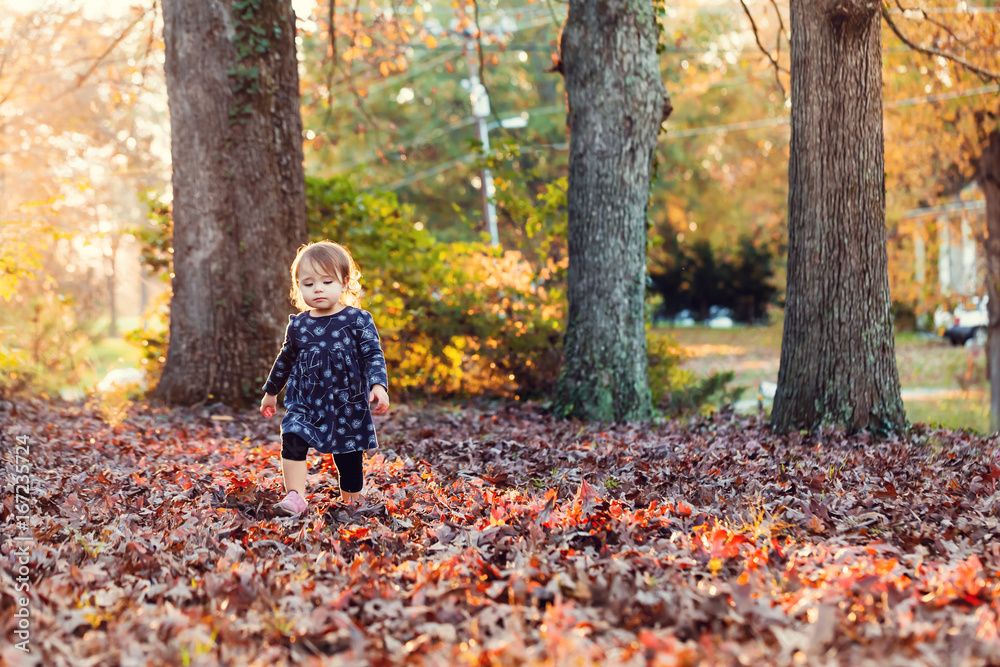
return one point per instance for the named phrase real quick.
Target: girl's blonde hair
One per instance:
(334, 260)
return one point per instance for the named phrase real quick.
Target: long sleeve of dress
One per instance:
(372, 360)
(282, 367)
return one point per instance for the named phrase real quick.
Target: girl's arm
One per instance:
(372, 359)
(282, 367)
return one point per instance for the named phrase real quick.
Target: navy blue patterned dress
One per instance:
(330, 364)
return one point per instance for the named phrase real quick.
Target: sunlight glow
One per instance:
(94, 9)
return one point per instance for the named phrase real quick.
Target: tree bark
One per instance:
(239, 193)
(988, 177)
(615, 104)
(838, 363)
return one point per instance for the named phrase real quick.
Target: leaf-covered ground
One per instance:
(503, 538)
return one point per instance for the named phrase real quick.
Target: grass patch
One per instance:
(753, 354)
(758, 338)
(104, 355)
(953, 413)
(109, 352)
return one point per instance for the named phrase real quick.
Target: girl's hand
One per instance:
(267, 405)
(378, 393)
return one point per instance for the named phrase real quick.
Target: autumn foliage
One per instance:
(505, 537)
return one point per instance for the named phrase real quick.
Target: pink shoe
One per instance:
(291, 505)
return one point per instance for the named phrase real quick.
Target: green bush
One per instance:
(664, 356)
(676, 390)
(702, 395)
(456, 319)
(41, 343)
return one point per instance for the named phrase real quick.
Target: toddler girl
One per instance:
(333, 364)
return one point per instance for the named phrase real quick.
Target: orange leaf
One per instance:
(654, 643)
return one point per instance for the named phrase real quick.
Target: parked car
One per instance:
(969, 324)
(684, 318)
(719, 318)
(942, 319)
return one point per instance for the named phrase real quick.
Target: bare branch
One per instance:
(80, 78)
(756, 36)
(983, 73)
(552, 12)
(333, 59)
(348, 75)
(363, 107)
(932, 21)
(781, 31)
(781, 21)
(149, 43)
(59, 28)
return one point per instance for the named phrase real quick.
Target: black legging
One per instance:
(349, 465)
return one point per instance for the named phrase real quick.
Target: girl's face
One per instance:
(319, 290)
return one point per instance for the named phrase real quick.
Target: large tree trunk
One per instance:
(988, 176)
(838, 363)
(616, 102)
(239, 193)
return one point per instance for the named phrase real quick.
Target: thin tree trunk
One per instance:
(838, 362)
(239, 193)
(615, 102)
(112, 276)
(988, 176)
(143, 296)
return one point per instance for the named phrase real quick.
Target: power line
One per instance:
(696, 131)
(433, 171)
(445, 166)
(417, 141)
(403, 76)
(945, 208)
(539, 111)
(948, 10)
(784, 120)
(939, 97)
(437, 133)
(978, 9)
(729, 127)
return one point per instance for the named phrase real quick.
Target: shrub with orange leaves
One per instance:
(456, 319)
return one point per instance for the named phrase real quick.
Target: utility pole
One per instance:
(481, 111)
